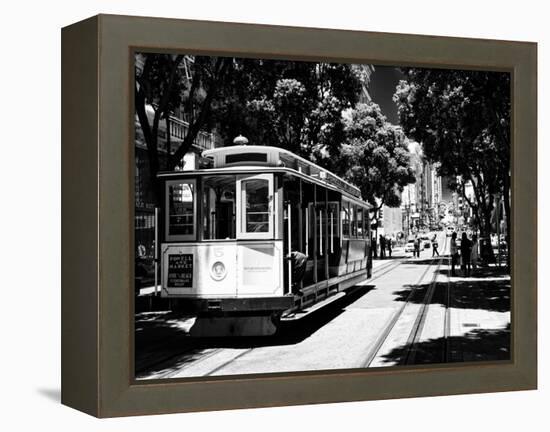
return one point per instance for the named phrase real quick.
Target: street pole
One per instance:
(409, 213)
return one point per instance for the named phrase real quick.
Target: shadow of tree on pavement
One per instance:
(466, 293)
(476, 345)
(160, 339)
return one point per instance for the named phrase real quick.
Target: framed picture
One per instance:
(262, 216)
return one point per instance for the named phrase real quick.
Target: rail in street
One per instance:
(410, 312)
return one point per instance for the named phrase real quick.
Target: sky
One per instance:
(382, 87)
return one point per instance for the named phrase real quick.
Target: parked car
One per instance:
(409, 247)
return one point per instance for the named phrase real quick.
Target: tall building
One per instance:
(391, 221)
(421, 201)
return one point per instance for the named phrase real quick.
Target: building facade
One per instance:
(391, 222)
(424, 203)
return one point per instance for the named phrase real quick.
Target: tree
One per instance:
(375, 156)
(163, 86)
(294, 105)
(462, 120)
(157, 86)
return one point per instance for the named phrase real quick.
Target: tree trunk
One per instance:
(168, 139)
(486, 249)
(195, 128)
(150, 133)
(151, 141)
(506, 199)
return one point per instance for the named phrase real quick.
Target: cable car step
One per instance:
(299, 314)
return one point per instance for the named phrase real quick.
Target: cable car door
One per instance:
(259, 263)
(255, 207)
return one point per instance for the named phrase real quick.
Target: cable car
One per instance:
(229, 233)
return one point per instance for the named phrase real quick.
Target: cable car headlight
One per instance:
(218, 271)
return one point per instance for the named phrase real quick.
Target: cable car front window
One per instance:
(219, 194)
(181, 209)
(256, 205)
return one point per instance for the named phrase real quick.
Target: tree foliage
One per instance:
(308, 108)
(294, 105)
(375, 156)
(462, 120)
(164, 85)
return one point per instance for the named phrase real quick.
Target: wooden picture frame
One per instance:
(97, 215)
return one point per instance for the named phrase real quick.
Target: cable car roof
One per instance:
(251, 155)
(243, 170)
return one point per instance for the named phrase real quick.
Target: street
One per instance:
(409, 312)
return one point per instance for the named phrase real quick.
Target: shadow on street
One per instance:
(476, 345)
(466, 294)
(162, 342)
(161, 337)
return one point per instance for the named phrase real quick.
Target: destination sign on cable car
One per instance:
(180, 271)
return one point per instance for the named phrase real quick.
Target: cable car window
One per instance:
(246, 157)
(218, 207)
(308, 195)
(353, 220)
(345, 219)
(255, 202)
(333, 234)
(181, 209)
(360, 222)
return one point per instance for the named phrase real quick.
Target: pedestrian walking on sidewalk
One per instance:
(434, 247)
(416, 246)
(382, 247)
(454, 254)
(465, 250)
(389, 246)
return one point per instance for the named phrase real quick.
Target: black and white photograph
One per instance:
(295, 216)
(254, 216)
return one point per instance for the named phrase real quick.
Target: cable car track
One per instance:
(379, 272)
(418, 325)
(382, 270)
(386, 268)
(416, 332)
(373, 352)
(447, 353)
